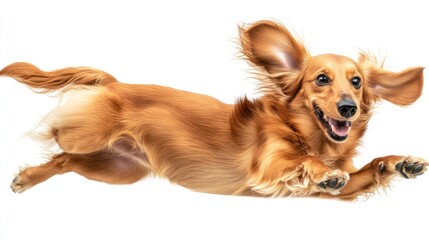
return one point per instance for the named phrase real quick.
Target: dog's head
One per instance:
(336, 90)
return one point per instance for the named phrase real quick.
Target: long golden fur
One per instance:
(298, 139)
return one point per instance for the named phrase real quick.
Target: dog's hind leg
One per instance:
(85, 121)
(110, 166)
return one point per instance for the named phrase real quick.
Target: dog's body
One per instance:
(297, 139)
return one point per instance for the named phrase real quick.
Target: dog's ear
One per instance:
(401, 88)
(272, 47)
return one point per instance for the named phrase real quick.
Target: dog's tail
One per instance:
(45, 82)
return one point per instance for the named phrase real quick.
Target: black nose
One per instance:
(347, 107)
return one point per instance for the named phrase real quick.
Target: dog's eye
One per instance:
(322, 80)
(356, 82)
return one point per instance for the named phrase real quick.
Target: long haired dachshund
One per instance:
(297, 139)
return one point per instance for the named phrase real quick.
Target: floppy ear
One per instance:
(401, 88)
(271, 47)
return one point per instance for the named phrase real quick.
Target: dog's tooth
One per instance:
(333, 128)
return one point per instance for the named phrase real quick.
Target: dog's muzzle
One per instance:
(338, 130)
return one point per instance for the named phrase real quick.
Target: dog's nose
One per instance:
(346, 107)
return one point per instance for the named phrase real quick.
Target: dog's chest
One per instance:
(333, 157)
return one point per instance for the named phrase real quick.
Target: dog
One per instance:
(297, 139)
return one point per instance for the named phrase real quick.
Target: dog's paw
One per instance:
(411, 167)
(333, 181)
(19, 184)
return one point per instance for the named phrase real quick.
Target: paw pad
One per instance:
(410, 167)
(333, 183)
(18, 185)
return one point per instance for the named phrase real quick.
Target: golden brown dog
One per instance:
(298, 139)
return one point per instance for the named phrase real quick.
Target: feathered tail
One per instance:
(45, 82)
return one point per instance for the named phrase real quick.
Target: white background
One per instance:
(190, 45)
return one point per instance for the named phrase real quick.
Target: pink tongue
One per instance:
(339, 128)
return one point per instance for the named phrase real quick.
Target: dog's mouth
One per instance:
(337, 130)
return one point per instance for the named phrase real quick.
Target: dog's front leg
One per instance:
(380, 172)
(300, 176)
